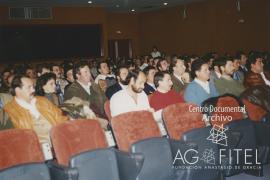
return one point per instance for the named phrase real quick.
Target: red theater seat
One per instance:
(107, 110)
(74, 137)
(178, 119)
(255, 112)
(223, 117)
(132, 127)
(19, 146)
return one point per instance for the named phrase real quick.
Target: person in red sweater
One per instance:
(164, 96)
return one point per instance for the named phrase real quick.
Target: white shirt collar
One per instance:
(204, 85)
(123, 86)
(267, 82)
(86, 87)
(31, 107)
(179, 78)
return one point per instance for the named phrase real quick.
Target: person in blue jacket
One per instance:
(200, 88)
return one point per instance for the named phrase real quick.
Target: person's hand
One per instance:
(186, 77)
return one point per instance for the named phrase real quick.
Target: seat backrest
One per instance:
(104, 164)
(19, 146)
(158, 159)
(107, 110)
(73, 137)
(179, 118)
(134, 126)
(229, 105)
(32, 171)
(255, 112)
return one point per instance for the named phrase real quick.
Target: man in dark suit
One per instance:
(85, 88)
(149, 86)
(121, 75)
(243, 61)
(179, 79)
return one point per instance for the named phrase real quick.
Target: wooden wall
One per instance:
(210, 26)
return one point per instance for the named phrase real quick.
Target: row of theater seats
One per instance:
(82, 151)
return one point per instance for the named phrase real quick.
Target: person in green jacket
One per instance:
(226, 84)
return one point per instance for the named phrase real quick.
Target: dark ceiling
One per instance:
(111, 5)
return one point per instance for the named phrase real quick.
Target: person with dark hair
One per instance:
(132, 98)
(42, 69)
(155, 61)
(256, 75)
(60, 82)
(243, 61)
(164, 96)
(104, 79)
(28, 111)
(121, 75)
(155, 53)
(4, 83)
(145, 63)
(162, 65)
(179, 77)
(209, 58)
(215, 72)
(130, 65)
(86, 89)
(46, 87)
(226, 84)
(237, 74)
(200, 88)
(68, 74)
(149, 86)
(188, 62)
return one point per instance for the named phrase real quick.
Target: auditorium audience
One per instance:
(178, 75)
(164, 96)
(200, 89)
(155, 53)
(226, 84)
(132, 98)
(145, 63)
(256, 75)
(237, 74)
(149, 86)
(104, 78)
(162, 65)
(4, 83)
(68, 75)
(121, 76)
(74, 84)
(85, 88)
(215, 73)
(60, 82)
(42, 69)
(243, 61)
(46, 87)
(27, 111)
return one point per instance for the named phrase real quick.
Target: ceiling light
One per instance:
(90, 2)
(133, 10)
(165, 4)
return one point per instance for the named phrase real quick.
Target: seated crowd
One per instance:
(51, 94)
